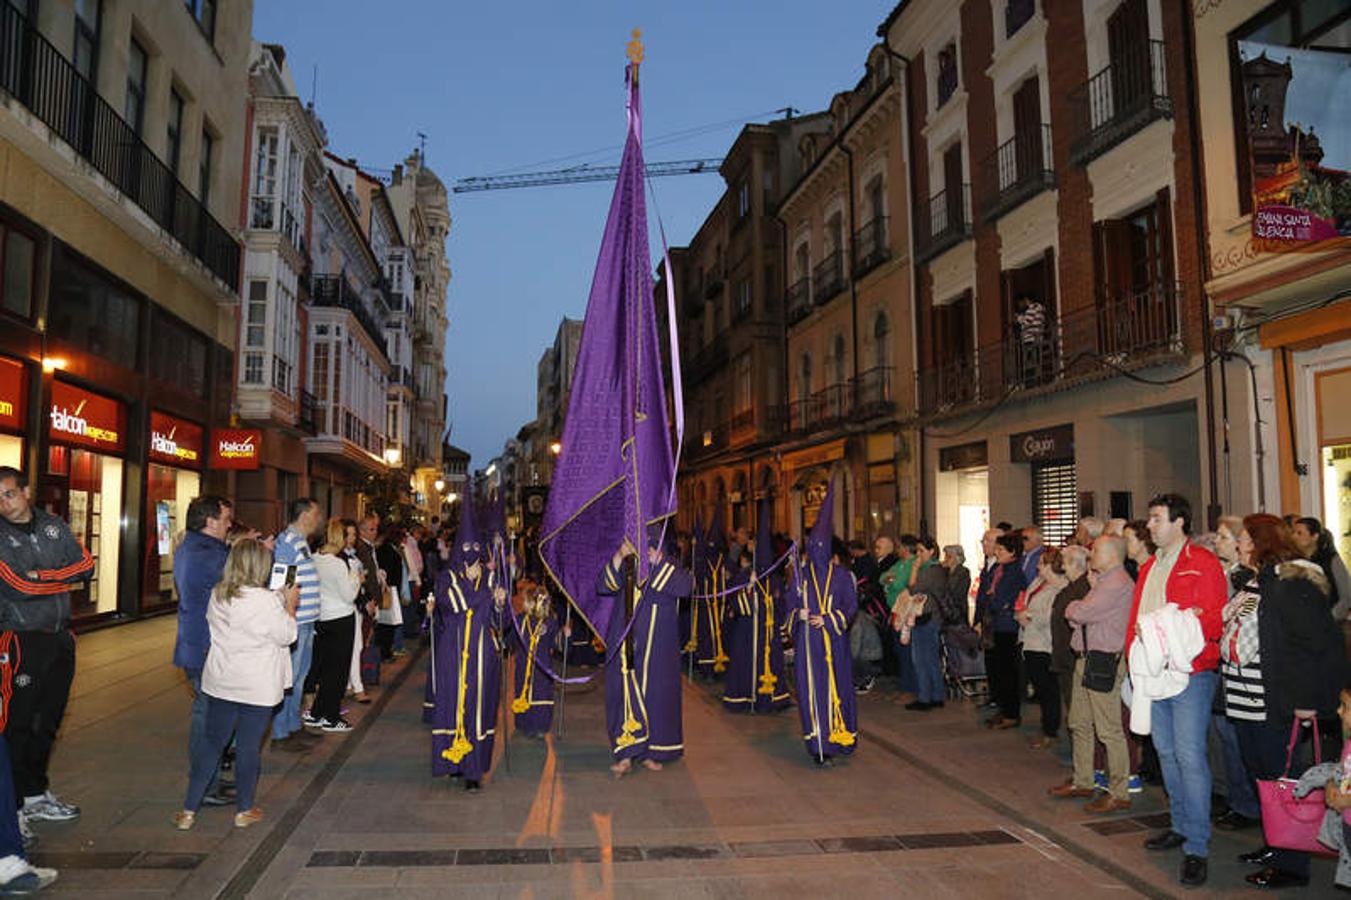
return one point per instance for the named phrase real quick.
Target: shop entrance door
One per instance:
(85, 489)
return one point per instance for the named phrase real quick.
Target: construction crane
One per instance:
(578, 174)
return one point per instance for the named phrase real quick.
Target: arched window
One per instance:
(881, 342)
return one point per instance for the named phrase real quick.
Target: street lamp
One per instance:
(392, 456)
(556, 447)
(439, 484)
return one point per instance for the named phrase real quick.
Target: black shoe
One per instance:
(1235, 821)
(1165, 840)
(471, 786)
(1194, 871)
(1259, 857)
(918, 705)
(221, 796)
(1275, 878)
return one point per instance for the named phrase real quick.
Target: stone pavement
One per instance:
(931, 805)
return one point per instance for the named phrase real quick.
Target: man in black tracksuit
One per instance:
(39, 561)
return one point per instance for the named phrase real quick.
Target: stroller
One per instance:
(963, 662)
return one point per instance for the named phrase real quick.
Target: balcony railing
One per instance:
(868, 395)
(707, 360)
(334, 291)
(1123, 98)
(797, 303)
(828, 277)
(1017, 13)
(712, 284)
(870, 246)
(872, 392)
(1018, 171)
(944, 222)
(1120, 334)
(35, 74)
(308, 413)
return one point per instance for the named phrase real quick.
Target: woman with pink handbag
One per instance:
(1282, 677)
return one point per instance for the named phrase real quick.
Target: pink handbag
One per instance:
(1290, 822)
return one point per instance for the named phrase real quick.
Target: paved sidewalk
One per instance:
(932, 805)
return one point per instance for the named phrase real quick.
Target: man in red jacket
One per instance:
(1189, 577)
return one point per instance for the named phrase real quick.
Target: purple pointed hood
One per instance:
(822, 534)
(468, 547)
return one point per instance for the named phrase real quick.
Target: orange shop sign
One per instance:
(175, 441)
(236, 448)
(13, 392)
(87, 419)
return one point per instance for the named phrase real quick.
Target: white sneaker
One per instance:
(17, 877)
(30, 837)
(50, 809)
(336, 726)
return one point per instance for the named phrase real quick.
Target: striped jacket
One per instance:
(36, 573)
(292, 549)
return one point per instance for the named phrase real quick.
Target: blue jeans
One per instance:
(905, 662)
(924, 656)
(1242, 796)
(1179, 725)
(287, 720)
(197, 727)
(11, 841)
(224, 718)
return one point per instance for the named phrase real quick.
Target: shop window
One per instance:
(18, 251)
(168, 493)
(1055, 500)
(85, 489)
(92, 312)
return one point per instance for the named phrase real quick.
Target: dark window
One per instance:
(17, 253)
(137, 61)
(92, 312)
(87, 38)
(174, 143)
(204, 168)
(1016, 15)
(743, 199)
(178, 353)
(204, 11)
(1304, 24)
(947, 73)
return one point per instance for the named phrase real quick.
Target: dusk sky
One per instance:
(502, 87)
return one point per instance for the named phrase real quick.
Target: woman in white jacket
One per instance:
(1035, 618)
(339, 584)
(248, 669)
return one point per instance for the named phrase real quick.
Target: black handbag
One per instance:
(1099, 667)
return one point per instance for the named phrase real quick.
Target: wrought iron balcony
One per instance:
(797, 303)
(1018, 171)
(828, 277)
(1128, 94)
(944, 222)
(334, 291)
(872, 392)
(36, 75)
(707, 360)
(870, 246)
(1120, 333)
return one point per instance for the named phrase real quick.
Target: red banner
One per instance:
(86, 419)
(13, 393)
(175, 441)
(236, 448)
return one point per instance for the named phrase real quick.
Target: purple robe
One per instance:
(755, 678)
(468, 676)
(642, 704)
(533, 702)
(823, 668)
(706, 628)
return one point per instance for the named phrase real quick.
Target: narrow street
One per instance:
(930, 806)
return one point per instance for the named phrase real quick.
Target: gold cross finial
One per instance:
(636, 47)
